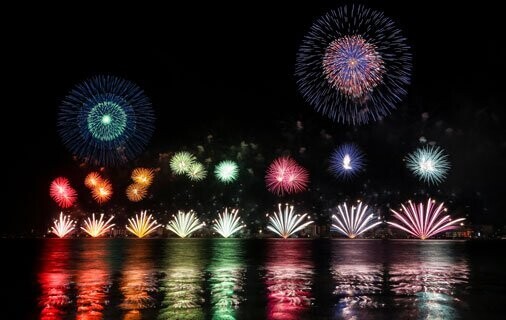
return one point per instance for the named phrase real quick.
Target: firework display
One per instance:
(63, 226)
(286, 176)
(143, 176)
(181, 162)
(354, 221)
(196, 172)
(96, 228)
(184, 223)
(142, 225)
(347, 161)
(353, 65)
(286, 223)
(424, 221)
(102, 192)
(228, 223)
(92, 180)
(106, 120)
(62, 193)
(430, 164)
(136, 192)
(227, 171)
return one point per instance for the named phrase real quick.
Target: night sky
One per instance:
(227, 72)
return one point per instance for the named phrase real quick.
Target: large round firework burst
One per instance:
(430, 164)
(353, 65)
(106, 120)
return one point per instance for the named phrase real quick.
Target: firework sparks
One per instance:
(181, 162)
(92, 180)
(287, 223)
(142, 225)
(430, 164)
(63, 226)
(354, 221)
(62, 193)
(184, 223)
(285, 175)
(96, 228)
(196, 172)
(143, 176)
(227, 171)
(347, 161)
(136, 192)
(228, 223)
(102, 192)
(424, 222)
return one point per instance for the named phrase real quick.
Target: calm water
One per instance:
(252, 279)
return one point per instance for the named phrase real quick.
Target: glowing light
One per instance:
(354, 221)
(430, 164)
(196, 172)
(353, 65)
(136, 192)
(62, 193)
(227, 171)
(142, 225)
(63, 226)
(347, 161)
(424, 222)
(181, 162)
(96, 228)
(143, 176)
(228, 223)
(285, 175)
(92, 180)
(106, 120)
(287, 223)
(102, 192)
(184, 223)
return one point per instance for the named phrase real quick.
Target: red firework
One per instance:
(285, 175)
(62, 193)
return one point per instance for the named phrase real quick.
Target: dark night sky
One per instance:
(228, 71)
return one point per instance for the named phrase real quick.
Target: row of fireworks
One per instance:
(418, 220)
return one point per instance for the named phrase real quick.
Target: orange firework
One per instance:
(136, 192)
(143, 176)
(92, 180)
(102, 192)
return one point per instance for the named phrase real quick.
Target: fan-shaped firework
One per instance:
(184, 223)
(196, 172)
(143, 176)
(424, 222)
(106, 120)
(228, 223)
(102, 192)
(285, 175)
(92, 180)
(62, 193)
(430, 164)
(347, 161)
(353, 65)
(142, 225)
(354, 221)
(286, 223)
(63, 226)
(136, 192)
(227, 171)
(96, 228)
(181, 162)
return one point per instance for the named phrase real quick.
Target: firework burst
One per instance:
(92, 180)
(143, 176)
(142, 225)
(347, 161)
(136, 192)
(285, 175)
(181, 162)
(430, 164)
(96, 228)
(228, 223)
(184, 223)
(196, 172)
(354, 221)
(102, 192)
(63, 226)
(62, 193)
(424, 222)
(227, 171)
(353, 65)
(106, 120)
(286, 223)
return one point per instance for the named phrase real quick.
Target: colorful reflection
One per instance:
(93, 280)
(183, 285)
(288, 278)
(139, 281)
(55, 278)
(227, 271)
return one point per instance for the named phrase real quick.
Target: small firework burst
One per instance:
(63, 226)
(181, 162)
(227, 171)
(102, 192)
(92, 180)
(347, 161)
(136, 192)
(96, 228)
(142, 225)
(62, 193)
(286, 176)
(196, 172)
(430, 164)
(143, 176)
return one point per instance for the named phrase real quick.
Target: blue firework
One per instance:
(347, 161)
(430, 164)
(353, 65)
(106, 120)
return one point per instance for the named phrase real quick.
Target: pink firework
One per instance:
(424, 222)
(62, 193)
(285, 175)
